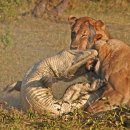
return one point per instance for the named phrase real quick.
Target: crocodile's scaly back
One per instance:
(36, 93)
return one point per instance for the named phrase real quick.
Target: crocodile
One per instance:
(36, 88)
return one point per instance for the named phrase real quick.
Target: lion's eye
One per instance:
(73, 35)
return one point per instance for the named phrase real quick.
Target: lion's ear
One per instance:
(100, 25)
(72, 20)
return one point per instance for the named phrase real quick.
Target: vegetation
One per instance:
(106, 9)
(13, 119)
(25, 40)
(6, 37)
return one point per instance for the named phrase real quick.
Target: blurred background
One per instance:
(115, 11)
(31, 30)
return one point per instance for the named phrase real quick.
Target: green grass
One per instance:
(12, 119)
(26, 40)
(11, 10)
(6, 38)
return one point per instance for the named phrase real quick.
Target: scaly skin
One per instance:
(36, 91)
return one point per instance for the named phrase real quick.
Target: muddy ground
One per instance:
(32, 40)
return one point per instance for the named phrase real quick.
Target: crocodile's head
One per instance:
(79, 59)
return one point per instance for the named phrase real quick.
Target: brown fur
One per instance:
(80, 31)
(115, 68)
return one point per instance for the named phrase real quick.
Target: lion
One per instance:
(114, 61)
(86, 28)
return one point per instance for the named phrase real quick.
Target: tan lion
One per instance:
(86, 28)
(114, 60)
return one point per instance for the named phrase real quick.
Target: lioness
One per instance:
(85, 31)
(114, 61)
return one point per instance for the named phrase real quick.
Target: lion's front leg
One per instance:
(109, 100)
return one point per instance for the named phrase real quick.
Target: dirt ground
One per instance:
(33, 40)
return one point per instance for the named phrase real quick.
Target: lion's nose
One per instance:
(73, 47)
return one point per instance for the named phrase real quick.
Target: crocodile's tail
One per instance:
(42, 100)
(15, 86)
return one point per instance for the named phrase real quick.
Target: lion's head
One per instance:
(85, 31)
